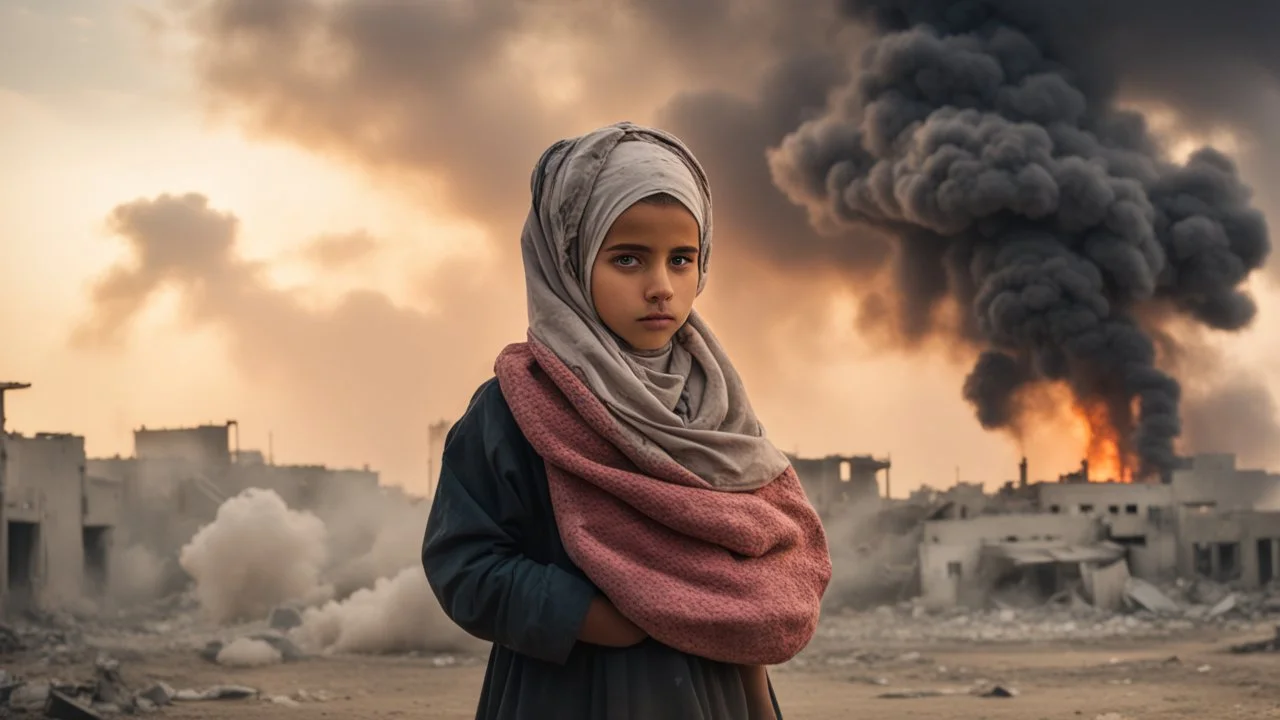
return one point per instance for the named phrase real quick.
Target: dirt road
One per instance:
(1121, 680)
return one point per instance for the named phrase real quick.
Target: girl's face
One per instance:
(645, 277)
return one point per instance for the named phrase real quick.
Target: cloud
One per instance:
(453, 101)
(362, 377)
(338, 250)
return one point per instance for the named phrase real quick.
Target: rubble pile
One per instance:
(67, 638)
(56, 651)
(107, 693)
(104, 695)
(51, 646)
(907, 625)
(1270, 645)
(1150, 612)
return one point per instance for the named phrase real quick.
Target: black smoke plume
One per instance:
(989, 142)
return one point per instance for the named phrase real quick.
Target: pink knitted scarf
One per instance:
(736, 577)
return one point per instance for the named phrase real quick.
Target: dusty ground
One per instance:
(1113, 680)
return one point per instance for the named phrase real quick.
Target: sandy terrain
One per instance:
(1117, 680)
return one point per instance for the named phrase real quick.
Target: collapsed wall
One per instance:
(333, 543)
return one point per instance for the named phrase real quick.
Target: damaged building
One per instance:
(966, 561)
(835, 482)
(1037, 541)
(179, 477)
(58, 520)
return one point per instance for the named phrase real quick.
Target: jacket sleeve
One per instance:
(473, 553)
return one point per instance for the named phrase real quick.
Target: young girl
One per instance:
(610, 514)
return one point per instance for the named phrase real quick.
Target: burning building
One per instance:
(1035, 222)
(1035, 218)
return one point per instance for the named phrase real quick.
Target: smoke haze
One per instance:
(346, 79)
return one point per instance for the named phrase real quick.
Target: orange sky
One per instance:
(361, 291)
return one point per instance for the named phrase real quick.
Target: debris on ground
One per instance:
(107, 694)
(284, 619)
(253, 650)
(247, 653)
(62, 707)
(918, 694)
(1148, 597)
(1269, 645)
(981, 689)
(1151, 612)
(158, 694)
(1224, 606)
(9, 641)
(997, 691)
(27, 697)
(60, 650)
(217, 692)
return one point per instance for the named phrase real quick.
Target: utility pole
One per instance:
(235, 453)
(431, 457)
(436, 433)
(888, 478)
(4, 431)
(4, 388)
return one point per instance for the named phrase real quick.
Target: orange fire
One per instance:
(1107, 462)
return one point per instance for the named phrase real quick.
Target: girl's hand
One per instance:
(604, 625)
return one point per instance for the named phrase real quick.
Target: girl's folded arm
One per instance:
(475, 562)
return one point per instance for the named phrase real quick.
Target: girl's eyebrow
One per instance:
(635, 248)
(629, 247)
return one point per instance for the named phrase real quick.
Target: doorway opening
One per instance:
(97, 542)
(24, 546)
(1266, 566)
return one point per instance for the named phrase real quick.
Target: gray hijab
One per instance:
(686, 400)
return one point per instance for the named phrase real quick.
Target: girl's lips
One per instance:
(657, 322)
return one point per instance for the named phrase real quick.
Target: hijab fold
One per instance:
(686, 401)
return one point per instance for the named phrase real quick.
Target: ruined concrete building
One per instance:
(962, 561)
(58, 520)
(1209, 520)
(837, 481)
(179, 477)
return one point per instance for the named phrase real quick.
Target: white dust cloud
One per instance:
(247, 652)
(399, 614)
(371, 534)
(256, 554)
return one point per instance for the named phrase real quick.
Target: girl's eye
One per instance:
(681, 260)
(625, 260)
